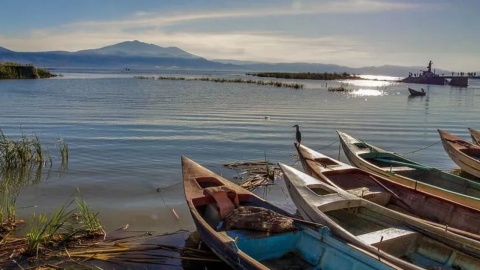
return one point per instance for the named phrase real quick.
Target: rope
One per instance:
(421, 148)
(328, 145)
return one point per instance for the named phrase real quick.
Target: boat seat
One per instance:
(335, 201)
(397, 235)
(226, 199)
(399, 169)
(374, 194)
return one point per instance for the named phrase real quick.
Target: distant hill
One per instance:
(128, 54)
(136, 54)
(137, 48)
(3, 50)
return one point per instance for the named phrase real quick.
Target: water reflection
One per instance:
(367, 92)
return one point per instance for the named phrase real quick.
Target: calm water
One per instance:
(126, 135)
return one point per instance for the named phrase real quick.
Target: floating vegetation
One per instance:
(258, 173)
(341, 88)
(223, 80)
(307, 75)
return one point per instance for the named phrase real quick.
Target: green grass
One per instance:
(89, 219)
(43, 229)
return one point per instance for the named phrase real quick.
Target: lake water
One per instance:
(126, 135)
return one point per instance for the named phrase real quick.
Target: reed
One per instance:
(63, 146)
(90, 220)
(341, 88)
(20, 153)
(223, 80)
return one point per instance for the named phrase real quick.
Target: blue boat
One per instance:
(213, 201)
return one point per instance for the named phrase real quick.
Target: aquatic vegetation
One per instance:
(90, 220)
(63, 146)
(21, 165)
(223, 80)
(259, 173)
(341, 88)
(307, 75)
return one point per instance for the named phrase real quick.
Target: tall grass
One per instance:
(90, 220)
(20, 153)
(63, 146)
(43, 229)
(63, 226)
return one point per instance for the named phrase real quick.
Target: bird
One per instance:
(298, 135)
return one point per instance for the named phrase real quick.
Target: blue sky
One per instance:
(355, 33)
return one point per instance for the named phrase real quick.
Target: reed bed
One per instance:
(21, 164)
(341, 88)
(124, 249)
(223, 80)
(307, 75)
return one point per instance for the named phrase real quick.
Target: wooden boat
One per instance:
(382, 191)
(409, 173)
(213, 200)
(401, 239)
(463, 153)
(414, 92)
(475, 134)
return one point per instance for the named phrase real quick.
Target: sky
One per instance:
(354, 33)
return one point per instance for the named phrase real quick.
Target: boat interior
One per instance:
(396, 165)
(471, 152)
(372, 226)
(301, 248)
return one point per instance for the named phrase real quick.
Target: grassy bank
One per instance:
(9, 70)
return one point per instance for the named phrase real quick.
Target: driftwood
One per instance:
(258, 173)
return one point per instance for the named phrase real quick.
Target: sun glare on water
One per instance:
(367, 92)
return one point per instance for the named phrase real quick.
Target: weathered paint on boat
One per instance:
(312, 245)
(405, 241)
(383, 191)
(463, 153)
(409, 173)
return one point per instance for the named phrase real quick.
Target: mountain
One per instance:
(136, 54)
(4, 50)
(137, 48)
(130, 54)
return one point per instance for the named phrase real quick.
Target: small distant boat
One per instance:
(475, 134)
(278, 241)
(437, 211)
(410, 173)
(395, 237)
(463, 153)
(414, 92)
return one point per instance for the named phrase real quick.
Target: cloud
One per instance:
(241, 44)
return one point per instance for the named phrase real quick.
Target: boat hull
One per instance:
(390, 194)
(400, 239)
(309, 246)
(475, 134)
(411, 174)
(464, 154)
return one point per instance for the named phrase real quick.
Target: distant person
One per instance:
(423, 91)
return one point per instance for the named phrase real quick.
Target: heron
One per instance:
(298, 135)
